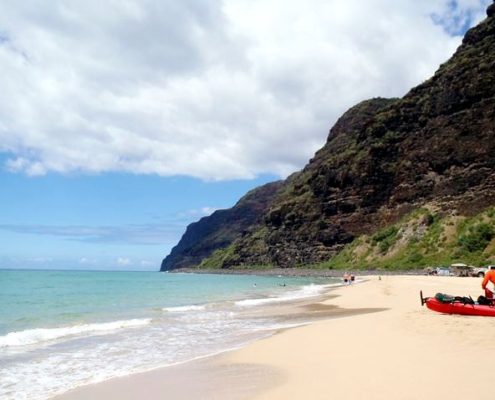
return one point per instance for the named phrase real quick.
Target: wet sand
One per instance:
(202, 379)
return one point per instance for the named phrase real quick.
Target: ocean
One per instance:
(63, 329)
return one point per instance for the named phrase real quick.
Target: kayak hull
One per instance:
(459, 308)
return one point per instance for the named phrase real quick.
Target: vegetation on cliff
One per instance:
(422, 238)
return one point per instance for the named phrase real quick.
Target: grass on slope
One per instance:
(422, 239)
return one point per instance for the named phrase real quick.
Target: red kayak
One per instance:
(458, 307)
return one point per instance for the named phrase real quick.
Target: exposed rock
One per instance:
(220, 229)
(490, 11)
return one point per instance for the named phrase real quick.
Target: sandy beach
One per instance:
(375, 341)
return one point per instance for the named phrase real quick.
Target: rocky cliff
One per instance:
(221, 228)
(384, 159)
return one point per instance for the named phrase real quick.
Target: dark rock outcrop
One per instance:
(383, 158)
(491, 10)
(221, 228)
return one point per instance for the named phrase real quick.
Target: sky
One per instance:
(121, 122)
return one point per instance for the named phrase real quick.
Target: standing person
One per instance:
(489, 277)
(346, 278)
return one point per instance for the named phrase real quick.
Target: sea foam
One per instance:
(303, 292)
(184, 308)
(35, 336)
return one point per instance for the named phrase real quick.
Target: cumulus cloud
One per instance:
(460, 15)
(123, 261)
(196, 213)
(215, 90)
(147, 264)
(87, 261)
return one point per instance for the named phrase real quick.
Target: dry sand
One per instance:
(385, 347)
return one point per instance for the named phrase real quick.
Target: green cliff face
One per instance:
(384, 163)
(427, 236)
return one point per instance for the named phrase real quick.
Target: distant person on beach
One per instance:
(347, 278)
(489, 277)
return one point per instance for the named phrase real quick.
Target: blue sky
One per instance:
(105, 221)
(122, 123)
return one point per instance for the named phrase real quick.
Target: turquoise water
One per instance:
(63, 329)
(52, 298)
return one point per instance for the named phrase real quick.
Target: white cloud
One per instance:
(461, 14)
(207, 210)
(87, 261)
(197, 212)
(147, 264)
(215, 90)
(123, 261)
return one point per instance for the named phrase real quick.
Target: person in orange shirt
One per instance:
(489, 277)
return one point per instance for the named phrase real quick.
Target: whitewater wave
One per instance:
(302, 293)
(39, 335)
(184, 308)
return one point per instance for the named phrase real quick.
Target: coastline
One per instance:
(400, 350)
(295, 272)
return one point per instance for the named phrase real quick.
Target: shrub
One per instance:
(477, 237)
(385, 238)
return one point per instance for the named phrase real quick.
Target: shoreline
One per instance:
(296, 312)
(178, 318)
(296, 272)
(401, 351)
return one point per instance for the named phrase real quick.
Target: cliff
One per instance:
(385, 159)
(221, 228)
